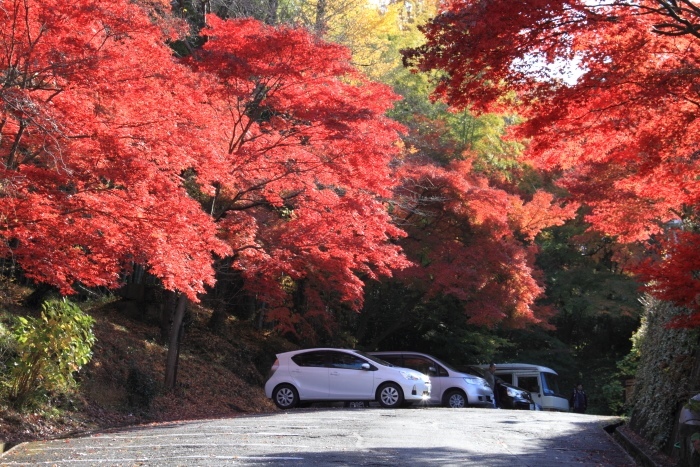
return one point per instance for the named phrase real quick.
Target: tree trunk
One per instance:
(271, 17)
(174, 344)
(260, 321)
(228, 284)
(166, 315)
(321, 20)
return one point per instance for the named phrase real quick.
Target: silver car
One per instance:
(324, 374)
(450, 387)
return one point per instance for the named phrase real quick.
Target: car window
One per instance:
(346, 361)
(422, 364)
(443, 365)
(377, 359)
(507, 377)
(315, 359)
(441, 371)
(392, 359)
(529, 383)
(551, 384)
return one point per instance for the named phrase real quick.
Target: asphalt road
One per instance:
(346, 437)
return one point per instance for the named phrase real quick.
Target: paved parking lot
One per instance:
(339, 437)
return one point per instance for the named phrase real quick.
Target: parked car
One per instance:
(450, 387)
(508, 395)
(324, 374)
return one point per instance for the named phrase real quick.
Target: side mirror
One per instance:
(365, 366)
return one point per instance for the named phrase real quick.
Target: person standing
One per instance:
(579, 400)
(490, 377)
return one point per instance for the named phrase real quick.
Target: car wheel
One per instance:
(356, 404)
(390, 396)
(285, 396)
(455, 399)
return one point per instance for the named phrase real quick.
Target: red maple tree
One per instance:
(95, 135)
(267, 145)
(610, 93)
(474, 242)
(305, 150)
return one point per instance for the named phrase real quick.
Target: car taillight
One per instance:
(273, 368)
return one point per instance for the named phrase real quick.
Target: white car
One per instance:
(325, 374)
(450, 388)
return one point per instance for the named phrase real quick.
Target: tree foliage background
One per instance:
(277, 161)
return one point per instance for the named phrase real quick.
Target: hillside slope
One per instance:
(219, 375)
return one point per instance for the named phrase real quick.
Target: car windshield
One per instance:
(473, 370)
(373, 358)
(551, 384)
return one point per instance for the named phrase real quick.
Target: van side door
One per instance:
(531, 383)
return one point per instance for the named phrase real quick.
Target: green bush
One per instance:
(49, 351)
(141, 389)
(8, 351)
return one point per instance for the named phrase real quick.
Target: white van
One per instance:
(540, 381)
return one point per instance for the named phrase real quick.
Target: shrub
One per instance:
(8, 351)
(140, 388)
(50, 350)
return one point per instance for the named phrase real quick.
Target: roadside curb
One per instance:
(7, 447)
(638, 453)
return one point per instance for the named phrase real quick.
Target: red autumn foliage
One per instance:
(672, 273)
(474, 242)
(305, 150)
(95, 135)
(622, 135)
(268, 145)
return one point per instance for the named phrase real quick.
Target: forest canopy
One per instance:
(620, 138)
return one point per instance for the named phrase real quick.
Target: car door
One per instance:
(310, 371)
(531, 383)
(350, 377)
(435, 371)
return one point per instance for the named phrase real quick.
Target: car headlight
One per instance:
(411, 376)
(472, 380)
(513, 393)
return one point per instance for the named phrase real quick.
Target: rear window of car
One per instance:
(310, 359)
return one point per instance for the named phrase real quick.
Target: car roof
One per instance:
(520, 367)
(388, 352)
(314, 349)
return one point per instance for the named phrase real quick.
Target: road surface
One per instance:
(346, 437)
